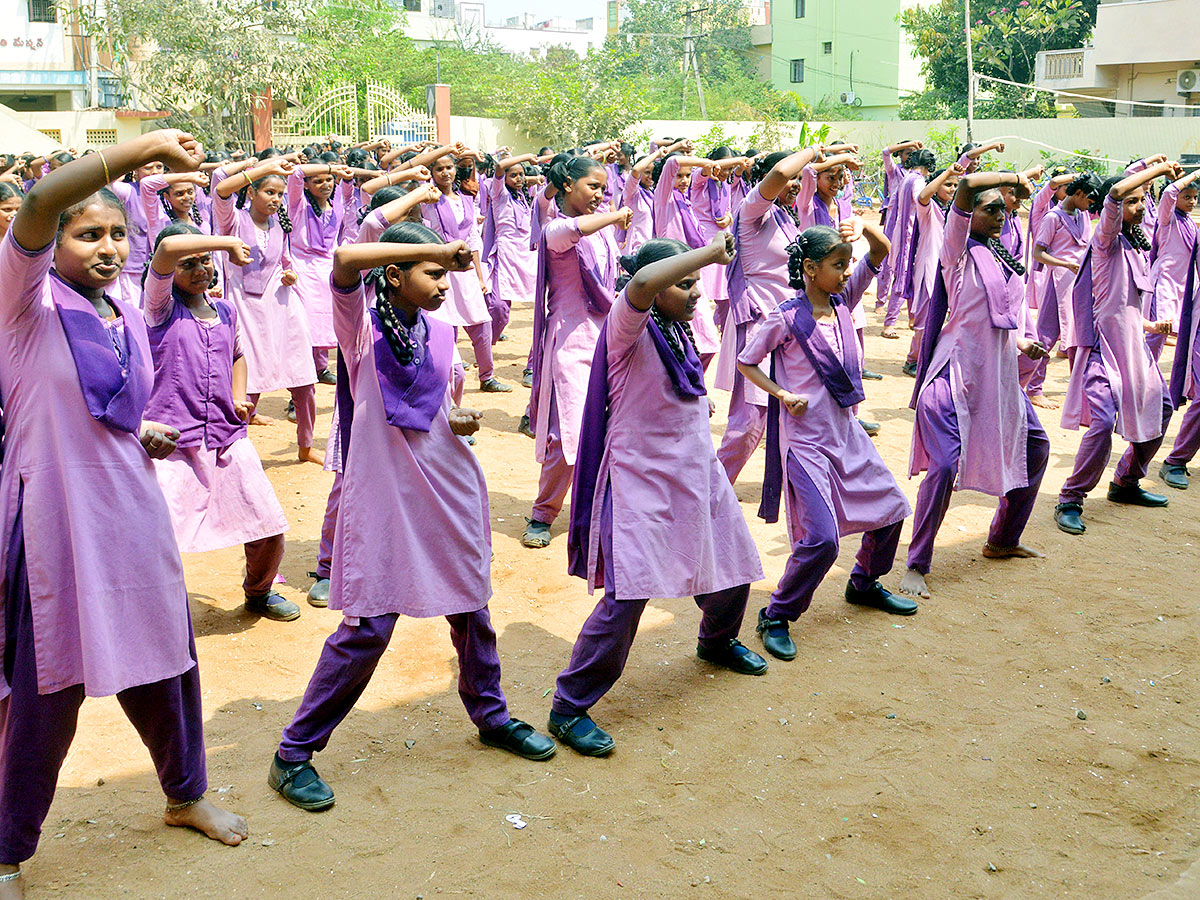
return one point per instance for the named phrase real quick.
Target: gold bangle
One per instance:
(104, 162)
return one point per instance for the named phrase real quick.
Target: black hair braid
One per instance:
(672, 336)
(795, 264)
(398, 337)
(285, 221)
(312, 201)
(1001, 253)
(1137, 237)
(241, 197)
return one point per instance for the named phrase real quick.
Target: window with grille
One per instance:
(828, 47)
(797, 71)
(412, 5)
(42, 11)
(799, 9)
(55, 134)
(100, 137)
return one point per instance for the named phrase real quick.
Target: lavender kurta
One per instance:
(1042, 203)
(216, 490)
(1174, 238)
(1120, 282)
(712, 278)
(675, 532)
(572, 329)
(465, 304)
(763, 234)
(1064, 236)
(512, 263)
(811, 211)
(669, 209)
(130, 282)
(826, 440)
(640, 201)
(311, 243)
(272, 322)
(413, 532)
(982, 363)
(931, 227)
(109, 603)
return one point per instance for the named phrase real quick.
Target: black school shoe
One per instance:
(1174, 476)
(326, 377)
(1069, 518)
(273, 606)
(1134, 495)
(494, 386)
(878, 597)
(733, 655)
(299, 784)
(520, 738)
(775, 637)
(871, 376)
(871, 428)
(581, 734)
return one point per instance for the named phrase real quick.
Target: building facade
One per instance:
(849, 52)
(1141, 50)
(430, 22)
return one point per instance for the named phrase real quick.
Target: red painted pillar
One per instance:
(263, 110)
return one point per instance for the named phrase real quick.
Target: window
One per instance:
(799, 9)
(100, 137)
(827, 48)
(42, 11)
(412, 5)
(797, 71)
(1153, 111)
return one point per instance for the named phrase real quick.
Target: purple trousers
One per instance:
(1032, 373)
(815, 549)
(500, 310)
(554, 482)
(600, 651)
(746, 424)
(349, 658)
(321, 359)
(304, 398)
(938, 422)
(481, 341)
(1096, 445)
(1187, 442)
(262, 564)
(36, 730)
(329, 527)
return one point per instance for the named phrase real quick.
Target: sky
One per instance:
(545, 9)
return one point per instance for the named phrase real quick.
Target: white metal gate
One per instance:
(339, 113)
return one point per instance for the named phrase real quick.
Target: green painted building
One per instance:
(847, 51)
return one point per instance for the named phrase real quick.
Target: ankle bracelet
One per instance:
(175, 807)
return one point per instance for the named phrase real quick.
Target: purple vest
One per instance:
(193, 377)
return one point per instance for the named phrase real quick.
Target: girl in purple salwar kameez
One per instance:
(409, 475)
(1115, 382)
(975, 428)
(105, 607)
(652, 513)
(835, 481)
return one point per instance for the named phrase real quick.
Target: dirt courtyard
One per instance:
(1031, 733)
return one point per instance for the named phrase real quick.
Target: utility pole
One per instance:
(970, 70)
(689, 60)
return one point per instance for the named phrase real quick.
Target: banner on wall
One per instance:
(32, 43)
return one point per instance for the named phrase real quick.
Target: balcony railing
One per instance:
(1064, 64)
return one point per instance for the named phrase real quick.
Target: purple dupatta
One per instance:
(843, 382)
(687, 380)
(1185, 349)
(412, 393)
(116, 394)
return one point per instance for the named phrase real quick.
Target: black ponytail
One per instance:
(570, 169)
(813, 243)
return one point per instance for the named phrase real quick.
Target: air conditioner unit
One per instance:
(848, 97)
(1187, 80)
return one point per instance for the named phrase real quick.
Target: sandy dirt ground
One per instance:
(940, 756)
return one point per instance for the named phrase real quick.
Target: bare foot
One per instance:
(260, 419)
(11, 890)
(310, 454)
(913, 584)
(226, 827)
(991, 551)
(1042, 401)
(890, 332)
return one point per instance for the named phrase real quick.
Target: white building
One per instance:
(1142, 50)
(465, 21)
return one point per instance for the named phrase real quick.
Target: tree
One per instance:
(206, 62)
(1006, 37)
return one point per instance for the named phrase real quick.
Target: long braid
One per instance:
(285, 221)
(398, 338)
(312, 201)
(672, 336)
(1001, 253)
(1137, 237)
